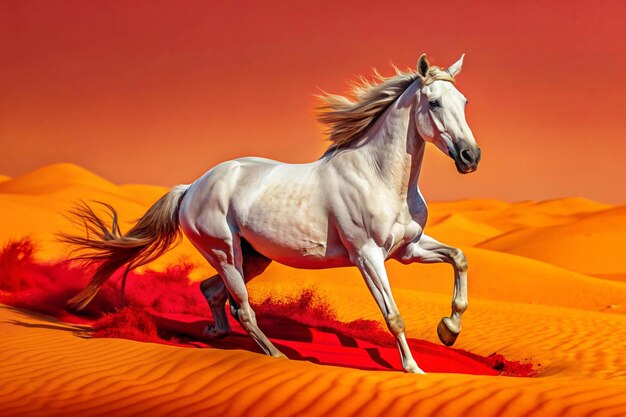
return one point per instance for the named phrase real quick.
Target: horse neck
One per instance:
(392, 145)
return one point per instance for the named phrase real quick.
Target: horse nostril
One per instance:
(466, 156)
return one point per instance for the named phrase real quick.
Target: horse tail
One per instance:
(153, 235)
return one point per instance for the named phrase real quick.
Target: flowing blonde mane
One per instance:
(347, 119)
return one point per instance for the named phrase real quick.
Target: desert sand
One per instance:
(545, 288)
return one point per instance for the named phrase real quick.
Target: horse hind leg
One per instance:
(214, 290)
(241, 309)
(215, 293)
(225, 255)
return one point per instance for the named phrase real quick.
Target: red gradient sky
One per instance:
(158, 92)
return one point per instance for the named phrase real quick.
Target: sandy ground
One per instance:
(543, 287)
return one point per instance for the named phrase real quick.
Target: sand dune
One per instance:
(543, 287)
(564, 206)
(612, 277)
(54, 177)
(589, 245)
(36, 204)
(514, 216)
(457, 230)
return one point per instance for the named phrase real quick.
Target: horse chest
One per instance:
(408, 226)
(401, 233)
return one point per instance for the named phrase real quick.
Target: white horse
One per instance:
(359, 204)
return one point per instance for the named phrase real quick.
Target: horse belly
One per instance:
(290, 226)
(296, 244)
(304, 254)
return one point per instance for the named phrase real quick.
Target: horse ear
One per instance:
(455, 68)
(423, 66)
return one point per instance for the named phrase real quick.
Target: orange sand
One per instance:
(532, 295)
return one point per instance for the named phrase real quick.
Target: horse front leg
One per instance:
(371, 262)
(427, 250)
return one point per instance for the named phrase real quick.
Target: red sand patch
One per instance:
(166, 307)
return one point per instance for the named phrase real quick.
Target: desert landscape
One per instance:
(547, 287)
(116, 102)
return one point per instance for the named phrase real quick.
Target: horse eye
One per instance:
(433, 104)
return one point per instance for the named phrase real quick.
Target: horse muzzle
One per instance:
(466, 158)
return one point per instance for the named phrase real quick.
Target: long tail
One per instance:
(109, 250)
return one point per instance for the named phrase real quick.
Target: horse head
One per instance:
(440, 115)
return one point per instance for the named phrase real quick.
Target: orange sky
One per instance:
(158, 92)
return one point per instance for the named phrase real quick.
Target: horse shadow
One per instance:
(320, 345)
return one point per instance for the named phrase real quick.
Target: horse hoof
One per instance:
(447, 336)
(412, 368)
(213, 332)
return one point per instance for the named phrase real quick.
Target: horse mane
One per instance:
(348, 118)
